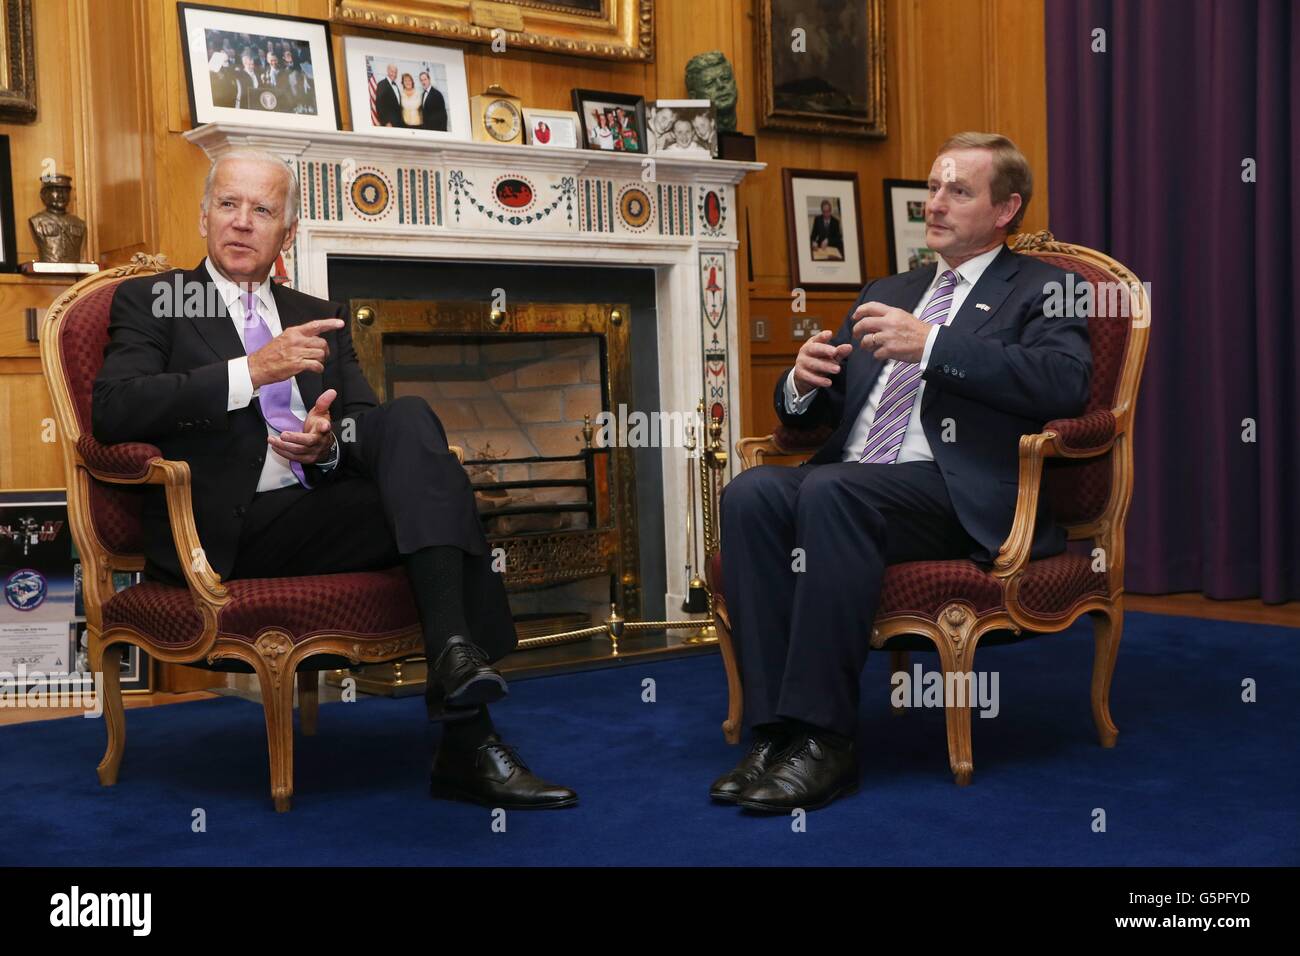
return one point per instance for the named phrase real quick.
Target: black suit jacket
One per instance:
(387, 105)
(433, 110)
(165, 381)
(997, 374)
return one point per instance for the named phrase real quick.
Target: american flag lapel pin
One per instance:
(982, 305)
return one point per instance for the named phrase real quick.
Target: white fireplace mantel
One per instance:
(392, 196)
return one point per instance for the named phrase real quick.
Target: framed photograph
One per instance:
(905, 224)
(257, 69)
(806, 80)
(17, 63)
(682, 127)
(824, 222)
(614, 122)
(8, 238)
(552, 128)
(608, 29)
(406, 89)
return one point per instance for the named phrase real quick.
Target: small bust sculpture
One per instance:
(709, 76)
(59, 234)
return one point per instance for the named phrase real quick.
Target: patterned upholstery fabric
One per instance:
(801, 439)
(1049, 586)
(126, 460)
(1081, 434)
(366, 606)
(82, 338)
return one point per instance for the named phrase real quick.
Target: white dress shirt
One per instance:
(915, 446)
(276, 472)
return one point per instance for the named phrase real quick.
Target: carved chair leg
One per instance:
(308, 701)
(735, 693)
(898, 662)
(108, 661)
(277, 701)
(1107, 627)
(956, 646)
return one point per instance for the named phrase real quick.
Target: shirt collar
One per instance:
(970, 270)
(231, 293)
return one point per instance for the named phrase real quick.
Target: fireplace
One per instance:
(522, 390)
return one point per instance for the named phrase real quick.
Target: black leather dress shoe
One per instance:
(753, 765)
(493, 775)
(809, 775)
(460, 680)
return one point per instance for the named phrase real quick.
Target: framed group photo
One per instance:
(614, 122)
(682, 127)
(824, 224)
(415, 90)
(258, 69)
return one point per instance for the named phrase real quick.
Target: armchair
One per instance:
(1084, 467)
(281, 629)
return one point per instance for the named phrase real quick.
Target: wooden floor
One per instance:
(1189, 605)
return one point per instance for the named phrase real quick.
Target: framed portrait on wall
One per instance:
(824, 225)
(614, 122)
(258, 69)
(821, 66)
(608, 29)
(905, 224)
(413, 90)
(17, 62)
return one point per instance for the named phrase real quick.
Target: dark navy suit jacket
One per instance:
(997, 374)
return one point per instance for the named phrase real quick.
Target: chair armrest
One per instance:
(783, 441)
(124, 460)
(1089, 437)
(204, 584)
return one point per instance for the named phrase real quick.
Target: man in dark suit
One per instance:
(826, 230)
(928, 384)
(433, 108)
(296, 467)
(388, 100)
(249, 84)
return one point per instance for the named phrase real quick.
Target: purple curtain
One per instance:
(1146, 144)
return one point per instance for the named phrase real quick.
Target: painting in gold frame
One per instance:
(17, 63)
(606, 29)
(822, 66)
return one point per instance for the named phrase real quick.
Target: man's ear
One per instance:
(203, 222)
(288, 239)
(1009, 210)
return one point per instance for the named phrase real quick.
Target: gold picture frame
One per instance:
(18, 76)
(605, 29)
(851, 105)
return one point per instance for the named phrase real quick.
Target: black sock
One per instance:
(468, 734)
(438, 585)
(778, 731)
(838, 741)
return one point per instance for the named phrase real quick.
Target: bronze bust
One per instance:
(59, 234)
(709, 76)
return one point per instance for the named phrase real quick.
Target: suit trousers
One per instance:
(398, 489)
(804, 556)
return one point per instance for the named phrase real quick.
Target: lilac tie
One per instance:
(885, 436)
(274, 397)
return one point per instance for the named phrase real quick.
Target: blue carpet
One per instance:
(1198, 778)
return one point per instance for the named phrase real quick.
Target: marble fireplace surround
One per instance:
(376, 195)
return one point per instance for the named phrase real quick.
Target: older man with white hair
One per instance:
(298, 469)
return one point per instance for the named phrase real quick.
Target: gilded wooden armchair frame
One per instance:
(956, 630)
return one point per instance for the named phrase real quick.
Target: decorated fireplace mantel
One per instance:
(377, 195)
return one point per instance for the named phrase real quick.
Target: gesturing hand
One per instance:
(890, 333)
(315, 440)
(296, 349)
(816, 360)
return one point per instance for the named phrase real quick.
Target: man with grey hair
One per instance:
(927, 387)
(297, 469)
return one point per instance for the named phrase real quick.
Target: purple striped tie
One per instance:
(885, 436)
(274, 398)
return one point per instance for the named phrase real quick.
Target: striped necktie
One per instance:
(274, 399)
(885, 437)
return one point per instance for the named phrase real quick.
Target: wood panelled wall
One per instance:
(952, 65)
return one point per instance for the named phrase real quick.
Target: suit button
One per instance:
(962, 375)
(239, 511)
(947, 368)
